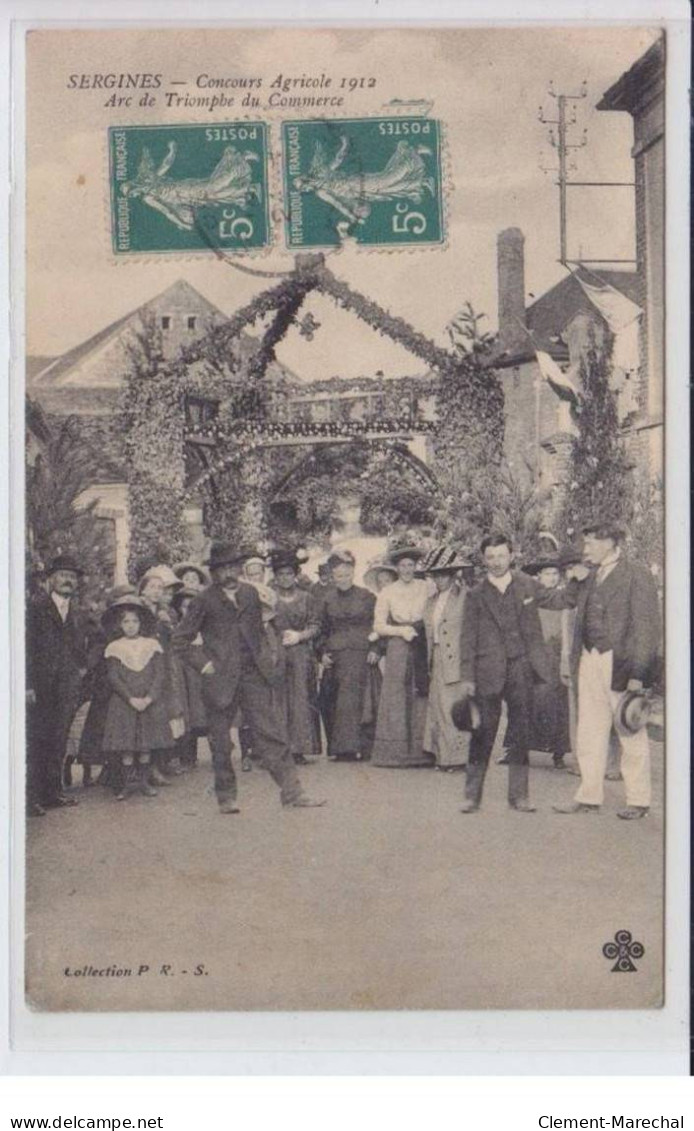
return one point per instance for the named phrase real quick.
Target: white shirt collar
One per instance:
(501, 583)
(62, 604)
(607, 564)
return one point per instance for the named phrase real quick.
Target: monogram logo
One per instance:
(624, 949)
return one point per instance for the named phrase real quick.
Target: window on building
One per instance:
(192, 321)
(166, 322)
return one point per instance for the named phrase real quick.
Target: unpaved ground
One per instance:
(387, 898)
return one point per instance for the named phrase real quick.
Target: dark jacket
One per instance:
(482, 651)
(632, 619)
(233, 638)
(56, 657)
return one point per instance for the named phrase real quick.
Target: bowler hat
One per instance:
(465, 714)
(64, 562)
(223, 553)
(632, 712)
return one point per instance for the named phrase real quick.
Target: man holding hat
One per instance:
(56, 653)
(502, 655)
(614, 651)
(238, 671)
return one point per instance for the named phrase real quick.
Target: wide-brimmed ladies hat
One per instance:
(376, 566)
(465, 714)
(398, 553)
(632, 712)
(129, 602)
(284, 558)
(181, 568)
(164, 573)
(543, 561)
(443, 559)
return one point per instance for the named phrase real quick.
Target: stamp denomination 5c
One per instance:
(376, 180)
(187, 188)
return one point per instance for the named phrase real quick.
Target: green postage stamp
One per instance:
(187, 188)
(376, 180)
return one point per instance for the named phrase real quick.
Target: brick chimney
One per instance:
(511, 283)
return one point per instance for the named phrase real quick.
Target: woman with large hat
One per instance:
(346, 654)
(550, 732)
(443, 622)
(399, 619)
(296, 624)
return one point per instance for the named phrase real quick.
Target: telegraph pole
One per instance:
(560, 141)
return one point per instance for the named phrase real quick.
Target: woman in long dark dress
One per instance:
(296, 624)
(550, 723)
(346, 652)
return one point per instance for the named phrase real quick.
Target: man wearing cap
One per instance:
(614, 650)
(56, 652)
(238, 671)
(502, 653)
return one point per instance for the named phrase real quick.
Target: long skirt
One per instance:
(401, 711)
(343, 689)
(551, 721)
(300, 701)
(448, 745)
(550, 731)
(369, 717)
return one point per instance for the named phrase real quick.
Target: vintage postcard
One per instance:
(345, 571)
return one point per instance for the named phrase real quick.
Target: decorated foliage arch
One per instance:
(164, 465)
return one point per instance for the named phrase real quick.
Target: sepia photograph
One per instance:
(345, 518)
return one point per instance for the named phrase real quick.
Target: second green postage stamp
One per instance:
(187, 188)
(376, 180)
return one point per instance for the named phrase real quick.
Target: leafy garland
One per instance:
(468, 440)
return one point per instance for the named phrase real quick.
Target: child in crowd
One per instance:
(137, 719)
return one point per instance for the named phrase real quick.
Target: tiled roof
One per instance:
(55, 370)
(547, 317)
(633, 86)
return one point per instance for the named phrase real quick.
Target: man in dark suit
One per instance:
(238, 670)
(56, 658)
(614, 649)
(502, 653)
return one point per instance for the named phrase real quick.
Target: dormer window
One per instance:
(192, 321)
(166, 322)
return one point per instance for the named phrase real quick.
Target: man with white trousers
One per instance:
(615, 649)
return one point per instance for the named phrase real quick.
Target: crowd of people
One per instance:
(410, 668)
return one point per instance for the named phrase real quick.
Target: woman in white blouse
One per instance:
(398, 619)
